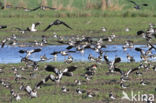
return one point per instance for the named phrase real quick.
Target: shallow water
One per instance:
(10, 54)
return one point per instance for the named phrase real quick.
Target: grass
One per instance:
(90, 26)
(51, 92)
(74, 8)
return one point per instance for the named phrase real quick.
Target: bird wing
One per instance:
(2, 45)
(118, 70)
(22, 51)
(67, 73)
(50, 8)
(133, 2)
(37, 23)
(55, 52)
(36, 50)
(53, 69)
(152, 47)
(69, 47)
(72, 68)
(117, 60)
(106, 59)
(145, 4)
(3, 26)
(35, 8)
(132, 70)
(50, 25)
(140, 32)
(65, 25)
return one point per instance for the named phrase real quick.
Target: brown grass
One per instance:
(115, 5)
(111, 5)
(21, 3)
(44, 3)
(91, 5)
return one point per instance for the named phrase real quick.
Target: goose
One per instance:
(56, 22)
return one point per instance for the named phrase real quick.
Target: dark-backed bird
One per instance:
(29, 52)
(3, 26)
(42, 8)
(137, 6)
(56, 22)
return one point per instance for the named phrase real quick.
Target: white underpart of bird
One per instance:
(33, 28)
(33, 94)
(28, 89)
(18, 98)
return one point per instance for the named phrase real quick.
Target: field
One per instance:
(101, 84)
(86, 17)
(90, 26)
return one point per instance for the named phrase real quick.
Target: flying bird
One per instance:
(56, 22)
(42, 8)
(137, 6)
(29, 52)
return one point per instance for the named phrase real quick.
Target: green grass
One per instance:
(78, 8)
(90, 26)
(51, 92)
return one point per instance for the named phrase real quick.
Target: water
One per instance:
(10, 54)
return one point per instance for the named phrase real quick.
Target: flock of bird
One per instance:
(81, 44)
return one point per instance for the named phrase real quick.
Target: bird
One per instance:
(42, 8)
(32, 92)
(56, 22)
(111, 64)
(64, 89)
(124, 86)
(29, 29)
(137, 6)
(79, 91)
(33, 27)
(111, 96)
(143, 82)
(130, 58)
(3, 26)
(29, 52)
